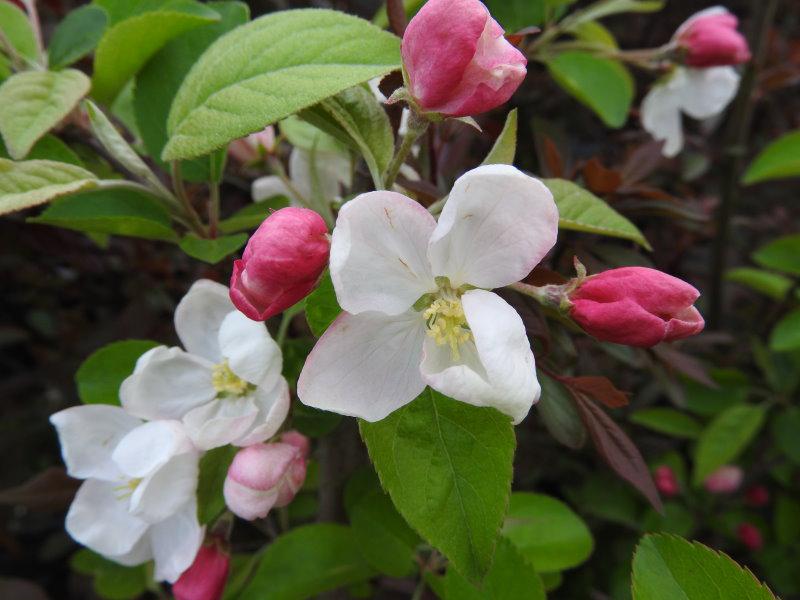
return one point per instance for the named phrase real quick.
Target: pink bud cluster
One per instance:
(710, 39)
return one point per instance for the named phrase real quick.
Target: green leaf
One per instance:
(726, 437)
(127, 45)
(602, 84)
(770, 284)
(676, 519)
(16, 27)
(666, 567)
(312, 421)
(510, 577)
(385, 539)
(115, 211)
(111, 580)
(33, 102)
(558, 413)
(595, 33)
(667, 421)
(514, 15)
(447, 466)
(505, 146)
(49, 148)
(307, 561)
(357, 119)
(322, 308)
(213, 469)
(784, 429)
(252, 215)
(580, 210)
(785, 335)
(33, 182)
(158, 82)
(733, 388)
(76, 36)
(547, 532)
(308, 55)
(778, 160)
(787, 519)
(212, 251)
(782, 254)
(101, 374)
(604, 8)
(304, 135)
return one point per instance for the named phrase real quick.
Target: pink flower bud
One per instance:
(636, 306)
(249, 149)
(457, 60)
(757, 496)
(666, 482)
(750, 536)
(205, 579)
(724, 480)
(281, 263)
(298, 440)
(710, 39)
(263, 476)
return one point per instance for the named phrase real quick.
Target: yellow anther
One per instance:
(447, 324)
(226, 382)
(126, 489)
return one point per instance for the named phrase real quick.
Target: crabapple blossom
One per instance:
(226, 386)
(666, 482)
(137, 502)
(750, 536)
(709, 39)
(263, 476)
(724, 480)
(417, 310)
(205, 579)
(249, 149)
(457, 61)
(636, 306)
(281, 263)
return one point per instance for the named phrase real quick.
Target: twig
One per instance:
(180, 191)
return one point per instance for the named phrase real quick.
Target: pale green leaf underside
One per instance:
(667, 567)
(269, 69)
(32, 182)
(580, 210)
(33, 102)
(447, 467)
(126, 47)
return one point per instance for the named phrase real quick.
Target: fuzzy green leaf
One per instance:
(76, 36)
(33, 102)
(447, 466)
(17, 29)
(286, 61)
(33, 182)
(779, 160)
(580, 210)
(505, 146)
(101, 374)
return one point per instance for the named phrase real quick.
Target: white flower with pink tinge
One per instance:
(418, 310)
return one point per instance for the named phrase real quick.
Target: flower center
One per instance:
(445, 318)
(126, 489)
(227, 383)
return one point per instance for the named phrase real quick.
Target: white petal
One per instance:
(365, 365)
(99, 519)
(273, 408)
(252, 354)
(88, 435)
(166, 384)
(378, 253)
(175, 543)
(163, 493)
(199, 316)
(221, 421)
(139, 554)
(268, 187)
(708, 91)
(150, 446)
(496, 226)
(332, 170)
(248, 503)
(498, 370)
(661, 117)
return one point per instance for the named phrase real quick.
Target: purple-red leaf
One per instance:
(49, 491)
(598, 388)
(397, 16)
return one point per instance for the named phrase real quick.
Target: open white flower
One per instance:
(138, 501)
(417, 307)
(226, 387)
(700, 93)
(322, 173)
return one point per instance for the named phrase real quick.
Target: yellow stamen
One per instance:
(226, 382)
(447, 324)
(126, 489)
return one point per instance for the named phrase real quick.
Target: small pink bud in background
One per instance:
(298, 440)
(724, 480)
(263, 476)
(666, 482)
(636, 306)
(757, 496)
(281, 263)
(750, 536)
(457, 60)
(710, 39)
(205, 579)
(249, 149)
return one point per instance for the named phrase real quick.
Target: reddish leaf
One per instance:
(642, 162)
(599, 179)
(617, 449)
(49, 491)
(598, 388)
(515, 39)
(397, 16)
(552, 158)
(683, 363)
